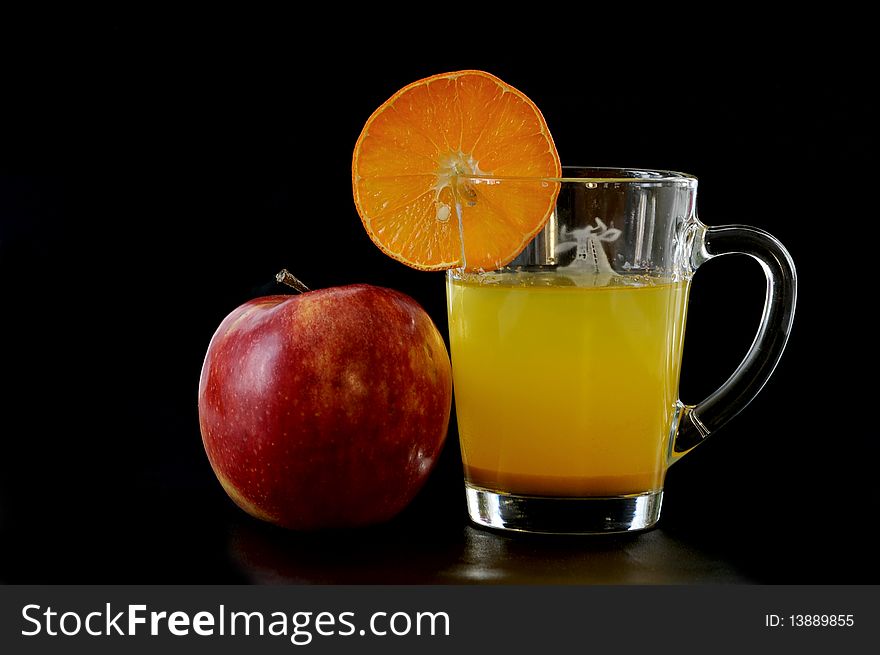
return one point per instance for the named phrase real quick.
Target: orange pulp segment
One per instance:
(418, 164)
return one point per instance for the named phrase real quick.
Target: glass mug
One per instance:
(566, 361)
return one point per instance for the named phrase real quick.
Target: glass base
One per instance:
(563, 515)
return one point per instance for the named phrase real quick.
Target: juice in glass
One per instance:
(566, 386)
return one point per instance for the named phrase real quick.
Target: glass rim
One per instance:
(600, 175)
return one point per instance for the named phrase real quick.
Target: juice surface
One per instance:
(563, 387)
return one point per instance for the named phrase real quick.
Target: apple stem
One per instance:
(288, 278)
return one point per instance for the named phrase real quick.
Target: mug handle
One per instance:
(696, 422)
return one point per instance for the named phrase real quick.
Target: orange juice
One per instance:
(565, 386)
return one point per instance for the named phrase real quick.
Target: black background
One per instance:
(155, 175)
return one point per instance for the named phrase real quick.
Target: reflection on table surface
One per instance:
(470, 555)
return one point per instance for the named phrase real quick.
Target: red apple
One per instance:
(327, 409)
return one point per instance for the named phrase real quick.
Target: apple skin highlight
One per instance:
(327, 409)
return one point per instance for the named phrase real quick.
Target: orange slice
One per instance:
(417, 169)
